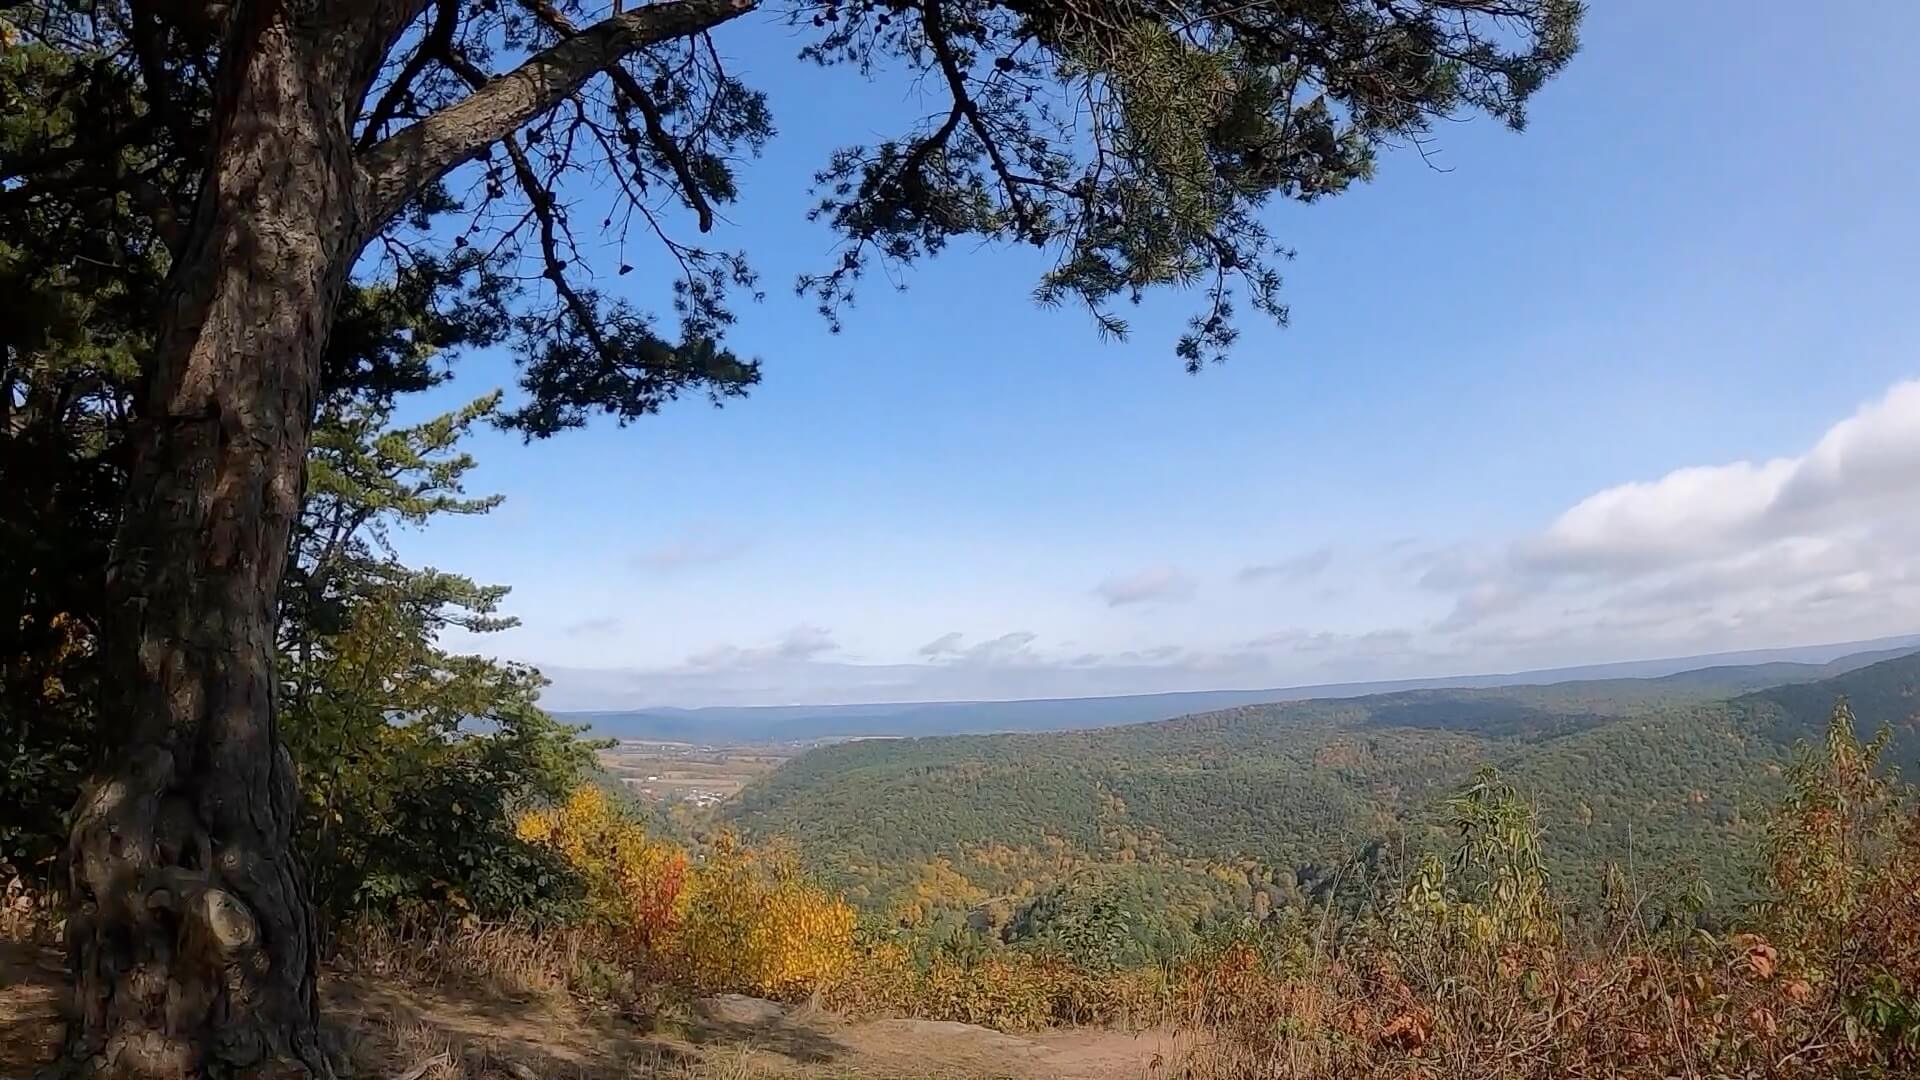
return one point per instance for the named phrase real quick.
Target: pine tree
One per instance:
(241, 162)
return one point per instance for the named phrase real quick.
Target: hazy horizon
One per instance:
(1635, 667)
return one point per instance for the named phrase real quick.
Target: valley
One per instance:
(1209, 819)
(695, 774)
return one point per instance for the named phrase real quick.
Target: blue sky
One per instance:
(1702, 253)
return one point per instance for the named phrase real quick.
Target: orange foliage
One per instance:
(737, 920)
(633, 882)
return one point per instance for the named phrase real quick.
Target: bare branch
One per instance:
(437, 41)
(663, 142)
(402, 163)
(657, 133)
(541, 206)
(555, 265)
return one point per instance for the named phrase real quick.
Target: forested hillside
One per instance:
(1222, 813)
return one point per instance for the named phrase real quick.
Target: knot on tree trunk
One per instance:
(224, 924)
(214, 925)
(173, 928)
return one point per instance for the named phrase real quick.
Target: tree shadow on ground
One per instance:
(33, 985)
(396, 1028)
(797, 1042)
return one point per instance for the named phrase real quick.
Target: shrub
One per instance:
(737, 920)
(632, 882)
(753, 922)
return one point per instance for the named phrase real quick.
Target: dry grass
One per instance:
(1010, 990)
(416, 1049)
(502, 960)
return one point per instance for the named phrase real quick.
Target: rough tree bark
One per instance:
(191, 939)
(190, 934)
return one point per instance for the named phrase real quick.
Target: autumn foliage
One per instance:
(733, 918)
(1467, 963)
(753, 921)
(1464, 963)
(1471, 970)
(633, 882)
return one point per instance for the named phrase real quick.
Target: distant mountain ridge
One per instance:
(1711, 675)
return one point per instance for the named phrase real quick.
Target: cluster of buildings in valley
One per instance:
(694, 774)
(700, 797)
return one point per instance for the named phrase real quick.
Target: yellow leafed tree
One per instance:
(753, 922)
(633, 881)
(738, 920)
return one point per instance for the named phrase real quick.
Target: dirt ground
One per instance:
(30, 981)
(444, 1034)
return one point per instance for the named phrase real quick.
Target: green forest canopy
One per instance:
(1657, 777)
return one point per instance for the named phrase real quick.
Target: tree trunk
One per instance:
(191, 936)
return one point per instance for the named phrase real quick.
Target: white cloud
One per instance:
(798, 645)
(1820, 545)
(1157, 584)
(687, 552)
(1687, 513)
(1870, 457)
(1865, 466)
(1010, 648)
(600, 627)
(1290, 570)
(943, 645)
(1480, 601)
(1332, 651)
(803, 668)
